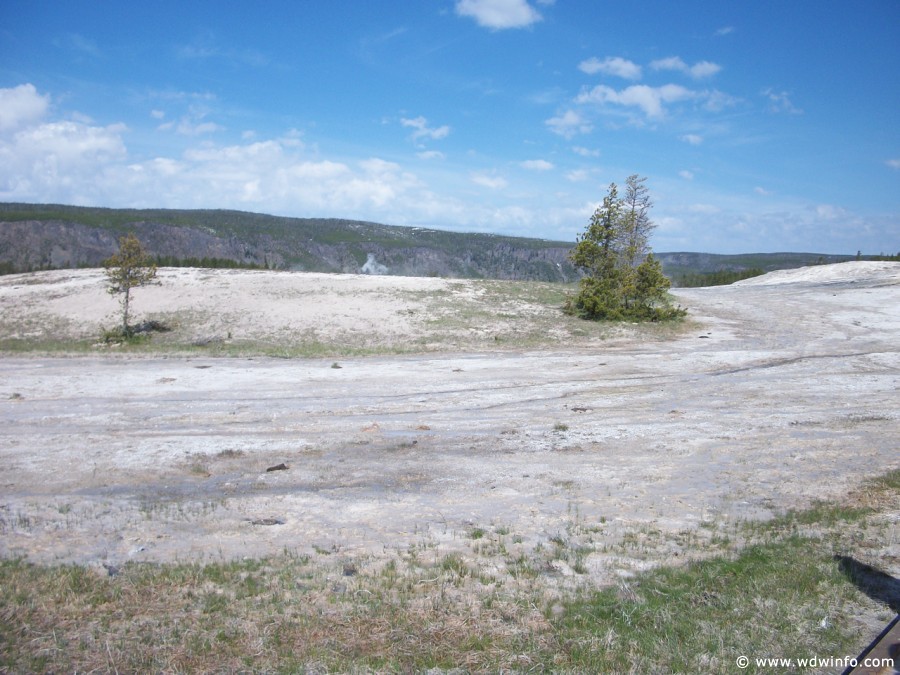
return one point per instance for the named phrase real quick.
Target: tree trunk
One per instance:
(125, 301)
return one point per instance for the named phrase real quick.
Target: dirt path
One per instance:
(786, 393)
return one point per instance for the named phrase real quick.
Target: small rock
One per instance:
(278, 467)
(267, 521)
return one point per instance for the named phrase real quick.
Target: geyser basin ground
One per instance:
(784, 390)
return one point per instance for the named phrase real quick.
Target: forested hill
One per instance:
(50, 236)
(40, 236)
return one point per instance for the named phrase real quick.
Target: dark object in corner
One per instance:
(882, 588)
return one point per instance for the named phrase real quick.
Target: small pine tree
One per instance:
(130, 268)
(651, 288)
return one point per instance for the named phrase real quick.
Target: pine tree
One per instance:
(635, 233)
(637, 226)
(596, 254)
(129, 268)
(651, 287)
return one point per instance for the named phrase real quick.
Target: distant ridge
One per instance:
(46, 236)
(42, 236)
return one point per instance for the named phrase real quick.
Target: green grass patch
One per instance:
(774, 600)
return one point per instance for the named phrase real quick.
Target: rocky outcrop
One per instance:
(30, 245)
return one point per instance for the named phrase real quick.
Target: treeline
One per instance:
(717, 278)
(160, 261)
(209, 263)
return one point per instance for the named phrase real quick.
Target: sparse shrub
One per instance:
(135, 334)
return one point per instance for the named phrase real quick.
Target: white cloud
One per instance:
(670, 63)
(430, 154)
(374, 165)
(761, 191)
(537, 165)
(20, 106)
(177, 96)
(499, 14)
(698, 71)
(188, 127)
(491, 181)
(687, 175)
(830, 212)
(780, 101)
(585, 152)
(648, 99)
(569, 124)
(422, 130)
(692, 139)
(577, 176)
(76, 163)
(724, 30)
(713, 220)
(547, 96)
(716, 101)
(704, 69)
(57, 161)
(893, 163)
(611, 65)
(272, 175)
(192, 123)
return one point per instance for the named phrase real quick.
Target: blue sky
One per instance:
(761, 126)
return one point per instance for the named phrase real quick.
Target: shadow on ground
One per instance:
(873, 582)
